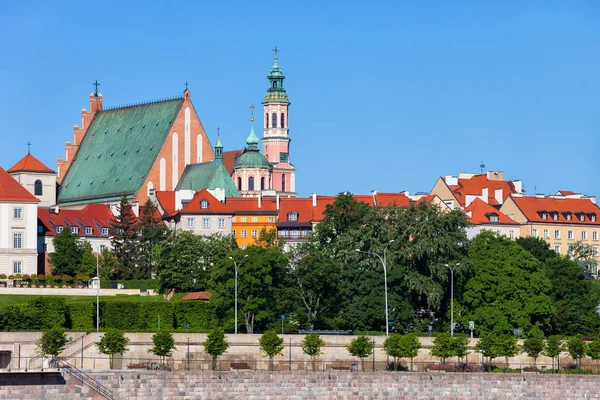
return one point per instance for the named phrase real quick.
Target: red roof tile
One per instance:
(239, 205)
(204, 296)
(229, 159)
(12, 191)
(214, 206)
(481, 212)
(166, 201)
(29, 164)
(95, 216)
(301, 206)
(533, 206)
(474, 186)
(566, 192)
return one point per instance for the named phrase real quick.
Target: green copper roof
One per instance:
(252, 140)
(253, 159)
(276, 93)
(207, 175)
(118, 151)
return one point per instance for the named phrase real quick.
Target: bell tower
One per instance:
(276, 140)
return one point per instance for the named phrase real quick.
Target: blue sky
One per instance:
(385, 95)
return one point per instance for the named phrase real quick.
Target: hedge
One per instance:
(82, 316)
(198, 314)
(53, 310)
(142, 284)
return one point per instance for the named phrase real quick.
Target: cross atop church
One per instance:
(28, 147)
(96, 84)
(252, 112)
(186, 85)
(218, 132)
(276, 51)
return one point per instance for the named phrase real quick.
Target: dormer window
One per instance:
(493, 218)
(568, 216)
(59, 229)
(88, 231)
(74, 230)
(582, 217)
(593, 217)
(204, 204)
(544, 215)
(104, 231)
(555, 216)
(293, 216)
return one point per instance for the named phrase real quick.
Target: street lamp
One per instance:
(97, 290)
(383, 262)
(451, 298)
(237, 266)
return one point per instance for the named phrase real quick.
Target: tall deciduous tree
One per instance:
(66, 258)
(361, 347)
(52, 342)
(113, 342)
(507, 288)
(312, 345)
(507, 346)
(164, 344)
(554, 346)
(125, 240)
(271, 344)
(152, 232)
(443, 346)
(215, 345)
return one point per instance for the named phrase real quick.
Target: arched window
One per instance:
(239, 183)
(274, 84)
(283, 183)
(267, 120)
(262, 183)
(274, 120)
(251, 183)
(282, 120)
(37, 188)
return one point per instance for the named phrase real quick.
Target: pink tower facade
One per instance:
(276, 140)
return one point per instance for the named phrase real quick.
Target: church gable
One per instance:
(118, 151)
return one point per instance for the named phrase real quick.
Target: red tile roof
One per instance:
(566, 192)
(166, 201)
(204, 296)
(229, 159)
(214, 205)
(481, 212)
(29, 164)
(12, 191)
(475, 185)
(239, 205)
(533, 206)
(95, 216)
(301, 206)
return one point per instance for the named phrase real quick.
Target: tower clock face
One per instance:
(283, 157)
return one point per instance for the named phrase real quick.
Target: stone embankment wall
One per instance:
(302, 385)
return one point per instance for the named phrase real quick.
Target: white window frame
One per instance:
(102, 248)
(271, 219)
(254, 233)
(570, 235)
(534, 233)
(583, 235)
(88, 231)
(555, 216)
(595, 235)
(557, 248)
(546, 234)
(17, 213)
(582, 217)
(221, 223)
(75, 230)
(191, 222)
(17, 267)
(595, 251)
(17, 240)
(59, 229)
(254, 219)
(293, 216)
(493, 218)
(104, 231)
(593, 218)
(511, 234)
(233, 232)
(568, 217)
(243, 219)
(244, 233)
(544, 216)
(205, 223)
(556, 234)
(204, 204)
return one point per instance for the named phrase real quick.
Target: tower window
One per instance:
(239, 183)
(283, 120)
(251, 183)
(262, 183)
(274, 84)
(283, 183)
(37, 188)
(274, 120)
(267, 120)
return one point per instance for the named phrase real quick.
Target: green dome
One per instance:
(252, 159)
(252, 139)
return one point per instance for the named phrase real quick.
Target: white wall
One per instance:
(27, 179)
(27, 226)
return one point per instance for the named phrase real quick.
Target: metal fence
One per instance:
(370, 364)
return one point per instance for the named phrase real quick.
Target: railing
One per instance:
(85, 379)
(33, 362)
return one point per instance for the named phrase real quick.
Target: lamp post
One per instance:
(97, 290)
(237, 266)
(383, 263)
(451, 298)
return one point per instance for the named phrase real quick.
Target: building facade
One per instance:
(37, 178)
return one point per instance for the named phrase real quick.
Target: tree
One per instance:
(125, 241)
(66, 257)
(312, 345)
(52, 342)
(487, 346)
(316, 276)
(408, 347)
(391, 346)
(576, 348)
(507, 288)
(164, 344)
(215, 345)
(152, 232)
(111, 343)
(107, 265)
(87, 261)
(443, 346)
(507, 346)
(537, 247)
(593, 350)
(533, 346)
(271, 344)
(460, 347)
(268, 238)
(554, 346)
(361, 347)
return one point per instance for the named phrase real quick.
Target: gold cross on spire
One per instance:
(28, 147)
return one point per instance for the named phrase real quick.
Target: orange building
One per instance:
(250, 217)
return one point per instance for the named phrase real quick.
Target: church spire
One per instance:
(276, 93)
(218, 146)
(252, 140)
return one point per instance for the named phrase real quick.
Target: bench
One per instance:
(138, 366)
(239, 365)
(351, 368)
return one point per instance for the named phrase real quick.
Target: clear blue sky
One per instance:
(385, 95)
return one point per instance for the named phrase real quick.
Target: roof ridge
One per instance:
(142, 103)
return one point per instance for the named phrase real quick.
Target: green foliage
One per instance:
(52, 342)
(120, 315)
(21, 318)
(52, 310)
(406, 346)
(81, 316)
(533, 346)
(113, 342)
(215, 345)
(507, 289)
(460, 346)
(537, 247)
(312, 345)
(125, 241)
(152, 232)
(271, 344)
(164, 344)
(361, 347)
(107, 265)
(576, 347)
(68, 253)
(198, 314)
(507, 346)
(487, 345)
(443, 346)
(554, 346)
(593, 350)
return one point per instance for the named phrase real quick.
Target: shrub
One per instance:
(11, 277)
(2, 276)
(199, 315)
(53, 310)
(18, 276)
(81, 316)
(26, 277)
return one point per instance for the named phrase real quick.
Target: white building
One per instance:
(38, 179)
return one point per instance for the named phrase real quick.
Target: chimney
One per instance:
(518, 186)
(484, 194)
(314, 199)
(277, 201)
(259, 201)
(374, 194)
(498, 196)
(95, 103)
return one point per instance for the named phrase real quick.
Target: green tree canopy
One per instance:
(361, 347)
(67, 256)
(152, 232)
(533, 346)
(164, 344)
(271, 344)
(52, 342)
(554, 346)
(215, 345)
(125, 240)
(113, 342)
(312, 345)
(443, 346)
